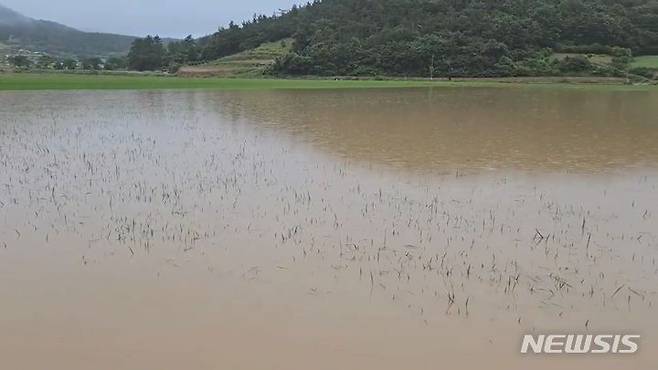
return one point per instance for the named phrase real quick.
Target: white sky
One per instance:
(168, 18)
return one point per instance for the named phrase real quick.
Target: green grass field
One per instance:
(56, 81)
(647, 61)
(63, 81)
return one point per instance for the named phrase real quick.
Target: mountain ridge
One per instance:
(56, 38)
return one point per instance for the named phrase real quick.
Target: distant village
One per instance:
(19, 59)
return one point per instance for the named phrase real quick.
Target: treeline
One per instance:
(150, 53)
(431, 38)
(443, 37)
(146, 54)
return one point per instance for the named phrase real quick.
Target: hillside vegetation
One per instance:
(250, 63)
(448, 37)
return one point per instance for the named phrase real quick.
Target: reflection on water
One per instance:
(435, 129)
(366, 229)
(428, 129)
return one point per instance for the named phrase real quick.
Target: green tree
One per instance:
(69, 64)
(575, 64)
(92, 64)
(181, 52)
(146, 54)
(46, 62)
(20, 61)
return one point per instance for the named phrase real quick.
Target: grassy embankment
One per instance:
(60, 81)
(647, 61)
(65, 81)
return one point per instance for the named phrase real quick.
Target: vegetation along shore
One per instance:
(64, 81)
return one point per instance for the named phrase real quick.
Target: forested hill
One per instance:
(57, 39)
(457, 37)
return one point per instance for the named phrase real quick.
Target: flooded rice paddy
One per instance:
(344, 229)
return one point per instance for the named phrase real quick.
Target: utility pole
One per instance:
(449, 71)
(432, 68)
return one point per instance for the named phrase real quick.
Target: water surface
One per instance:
(355, 229)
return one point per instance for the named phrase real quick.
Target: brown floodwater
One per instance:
(333, 229)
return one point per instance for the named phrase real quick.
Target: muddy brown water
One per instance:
(351, 229)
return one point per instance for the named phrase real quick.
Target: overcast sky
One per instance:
(170, 18)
